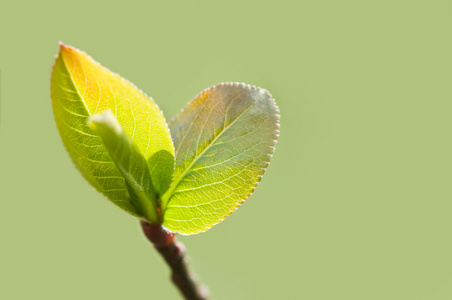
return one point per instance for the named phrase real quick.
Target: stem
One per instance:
(173, 252)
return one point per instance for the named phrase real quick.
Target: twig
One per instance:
(173, 252)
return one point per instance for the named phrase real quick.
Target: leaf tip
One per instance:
(66, 51)
(63, 47)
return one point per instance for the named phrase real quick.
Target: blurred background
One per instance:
(355, 205)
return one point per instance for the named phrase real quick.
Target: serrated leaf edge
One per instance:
(269, 154)
(61, 44)
(123, 79)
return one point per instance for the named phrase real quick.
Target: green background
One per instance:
(355, 205)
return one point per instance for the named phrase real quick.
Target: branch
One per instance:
(173, 252)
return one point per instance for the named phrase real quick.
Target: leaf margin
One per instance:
(97, 186)
(263, 167)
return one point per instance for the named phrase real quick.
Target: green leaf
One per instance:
(130, 162)
(224, 140)
(80, 87)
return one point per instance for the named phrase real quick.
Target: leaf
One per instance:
(80, 87)
(130, 162)
(224, 140)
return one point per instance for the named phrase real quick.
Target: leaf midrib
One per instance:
(175, 183)
(75, 86)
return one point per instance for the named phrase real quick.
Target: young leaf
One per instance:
(224, 140)
(80, 87)
(130, 163)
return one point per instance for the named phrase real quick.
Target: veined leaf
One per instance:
(224, 140)
(130, 163)
(80, 87)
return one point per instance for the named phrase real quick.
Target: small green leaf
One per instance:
(81, 87)
(224, 140)
(130, 163)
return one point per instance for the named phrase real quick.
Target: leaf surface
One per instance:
(80, 87)
(224, 140)
(130, 162)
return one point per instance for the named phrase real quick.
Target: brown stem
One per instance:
(173, 252)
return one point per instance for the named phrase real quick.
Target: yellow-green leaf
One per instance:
(81, 87)
(130, 162)
(224, 140)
